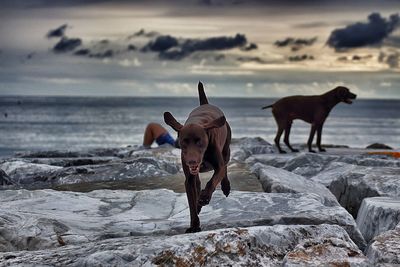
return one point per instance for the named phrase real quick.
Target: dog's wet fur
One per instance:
(312, 109)
(204, 140)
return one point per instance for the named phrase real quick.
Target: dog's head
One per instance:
(193, 140)
(344, 95)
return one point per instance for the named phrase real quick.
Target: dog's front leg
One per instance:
(319, 134)
(192, 186)
(219, 173)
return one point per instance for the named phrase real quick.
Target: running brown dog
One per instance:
(312, 109)
(204, 140)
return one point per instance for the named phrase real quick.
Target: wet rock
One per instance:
(254, 246)
(377, 215)
(244, 147)
(275, 180)
(378, 146)
(44, 219)
(385, 249)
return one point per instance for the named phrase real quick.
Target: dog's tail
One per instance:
(202, 95)
(270, 106)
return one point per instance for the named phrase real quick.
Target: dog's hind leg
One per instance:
(310, 139)
(319, 134)
(278, 138)
(225, 184)
(286, 138)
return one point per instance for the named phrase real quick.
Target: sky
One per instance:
(258, 48)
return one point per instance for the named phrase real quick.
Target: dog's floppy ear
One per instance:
(171, 121)
(215, 123)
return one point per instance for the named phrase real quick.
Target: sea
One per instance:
(33, 123)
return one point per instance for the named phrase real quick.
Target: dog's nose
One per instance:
(192, 162)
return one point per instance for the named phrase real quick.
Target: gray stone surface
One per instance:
(254, 246)
(361, 182)
(275, 180)
(244, 147)
(385, 249)
(377, 215)
(35, 173)
(41, 219)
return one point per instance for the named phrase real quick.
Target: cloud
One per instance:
(161, 44)
(392, 60)
(301, 57)
(364, 34)
(173, 49)
(58, 32)
(252, 59)
(295, 43)
(67, 44)
(250, 47)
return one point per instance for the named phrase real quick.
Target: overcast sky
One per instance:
(163, 48)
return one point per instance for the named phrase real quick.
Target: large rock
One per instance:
(377, 215)
(32, 220)
(275, 180)
(31, 173)
(351, 187)
(21, 172)
(244, 147)
(308, 164)
(255, 246)
(385, 249)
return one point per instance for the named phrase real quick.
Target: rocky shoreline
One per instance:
(127, 207)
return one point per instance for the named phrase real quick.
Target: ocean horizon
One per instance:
(70, 123)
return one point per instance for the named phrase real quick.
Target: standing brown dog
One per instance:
(312, 109)
(204, 140)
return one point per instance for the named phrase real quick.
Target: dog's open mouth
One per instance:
(194, 169)
(348, 101)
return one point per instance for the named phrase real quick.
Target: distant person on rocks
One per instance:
(155, 132)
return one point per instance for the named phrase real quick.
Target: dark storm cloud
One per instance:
(82, 52)
(171, 48)
(303, 57)
(295, 43)
(58, 32)
(364, 34)
(161, 44)
(67, 44)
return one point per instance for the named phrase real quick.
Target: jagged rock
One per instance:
(21, 172)
(308, 164)
(377, 215)
(244, 147)
(4, 178)
(41, 219)
(385, 249)
(333, 171)
(274, 160)
(351, 187)
(275, 180)
(254, 246)
(140, 164)
(325, 252)
(378, 146)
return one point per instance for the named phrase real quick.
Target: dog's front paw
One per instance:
(312, 151)
(322, 150)
(282, 151)
(193, 230)
(204, 198)
(226, 187)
